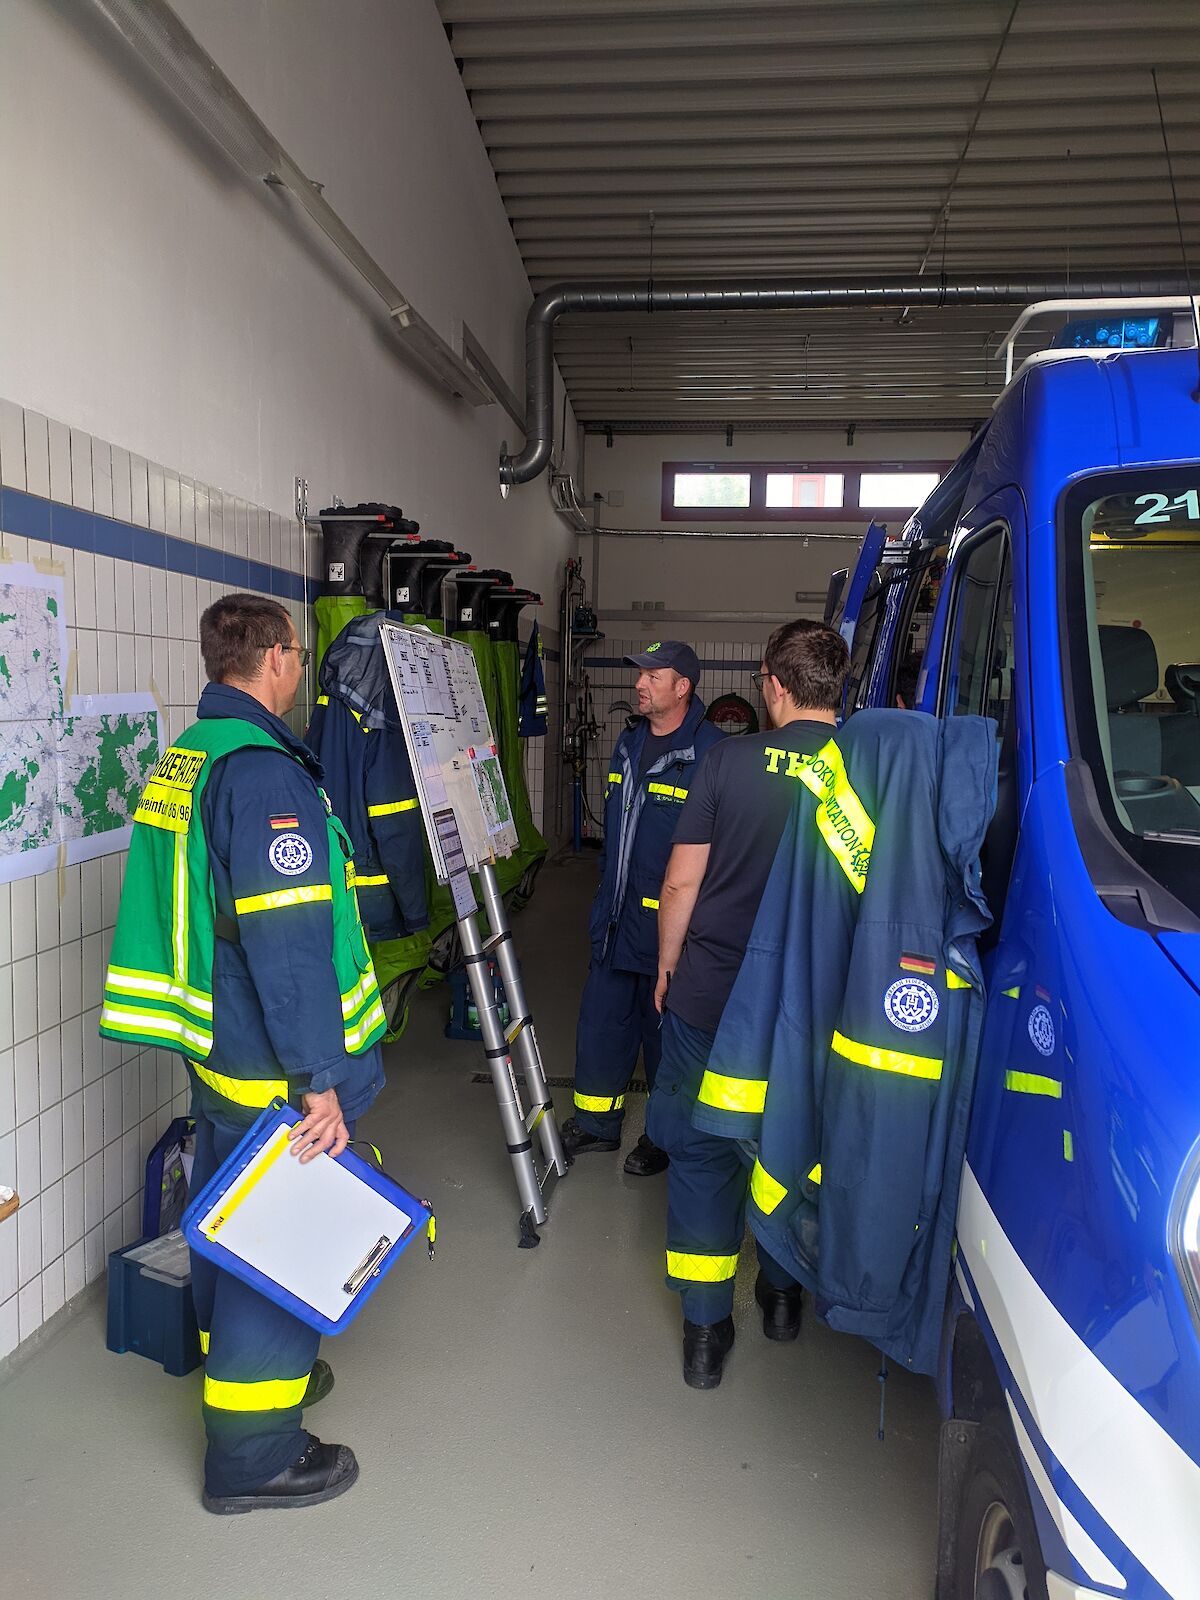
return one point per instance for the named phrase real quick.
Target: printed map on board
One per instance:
(70, 777)
(450, 742)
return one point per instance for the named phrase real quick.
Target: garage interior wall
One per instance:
(176, 347)
(734, 574)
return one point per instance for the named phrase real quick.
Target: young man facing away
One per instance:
(724, 848)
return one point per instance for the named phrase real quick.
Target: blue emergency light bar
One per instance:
(1124, 333)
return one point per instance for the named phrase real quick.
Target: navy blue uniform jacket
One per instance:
(357, 734)
(277, 1007)
(846, 1053)
(640, 816)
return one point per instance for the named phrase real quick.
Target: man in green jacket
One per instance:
(238, 945)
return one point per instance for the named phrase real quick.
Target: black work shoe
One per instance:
(780, 1309)
(577, 1141)
(320, 1381)
(646, 1159)
(705, 1346)
(322, 1473)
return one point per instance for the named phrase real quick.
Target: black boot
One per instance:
(705, 1346)
(646, 1159)
(578, 1141)
(780, 1309)
(322, 1473)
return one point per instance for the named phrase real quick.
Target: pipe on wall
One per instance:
(562, 298)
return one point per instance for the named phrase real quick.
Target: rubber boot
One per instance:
(402, 568)
(343, 531)
(472, 590)
(373, 554)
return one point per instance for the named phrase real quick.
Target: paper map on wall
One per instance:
(450, 744)
(70, 774)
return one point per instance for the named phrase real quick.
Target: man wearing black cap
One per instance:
(648, 780)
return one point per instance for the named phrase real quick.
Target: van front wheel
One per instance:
(997, 1555)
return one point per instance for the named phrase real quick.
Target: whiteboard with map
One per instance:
(450, 744)
(71, 767)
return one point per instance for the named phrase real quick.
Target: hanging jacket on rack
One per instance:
(357, 735)
(534, 705)
(846, 1052)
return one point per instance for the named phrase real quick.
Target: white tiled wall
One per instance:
(78, 1115)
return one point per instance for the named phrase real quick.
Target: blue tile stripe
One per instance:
(31, 516)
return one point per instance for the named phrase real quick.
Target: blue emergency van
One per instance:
(1052, 582)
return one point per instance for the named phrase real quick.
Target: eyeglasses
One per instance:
(758, 679)
(302, 651)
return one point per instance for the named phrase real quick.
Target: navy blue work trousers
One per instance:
(257, 1355)
(617, 1019)
(707, 1183)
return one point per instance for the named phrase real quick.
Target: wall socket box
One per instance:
(615, 497)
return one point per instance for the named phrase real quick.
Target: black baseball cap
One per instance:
(668, 653)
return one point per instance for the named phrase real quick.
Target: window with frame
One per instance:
(979, 679)
(794, 491)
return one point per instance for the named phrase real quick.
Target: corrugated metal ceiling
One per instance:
(771, 138)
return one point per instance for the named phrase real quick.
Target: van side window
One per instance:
(979, 681)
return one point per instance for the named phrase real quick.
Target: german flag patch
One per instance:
(925, 965)
(284, 820)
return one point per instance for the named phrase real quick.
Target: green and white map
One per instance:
(70, 775)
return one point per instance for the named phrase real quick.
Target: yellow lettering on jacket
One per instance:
(774, 757)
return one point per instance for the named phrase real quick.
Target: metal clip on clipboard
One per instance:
(368, 1267)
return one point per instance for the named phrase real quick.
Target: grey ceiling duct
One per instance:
(562, 298)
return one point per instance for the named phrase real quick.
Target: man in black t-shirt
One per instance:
(722, 853)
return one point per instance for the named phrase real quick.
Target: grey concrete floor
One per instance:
(519, 1415)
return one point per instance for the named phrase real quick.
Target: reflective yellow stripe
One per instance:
(391, 809)
(256, 1092)
(599, 1102)
(866, 1055)
(953, 981)
(748, 1095)
(322, 699)
(615, 777)
(271, 1394)
(179, 925)
(372, 882)
(1011, 994)
(158, 1024)
(1033, 1083)
(204, 1338)
(765, 1191)
(700, 1269)
(841, 817)
(815, 1175)
(362, 1031)
(681, 794)
(353, 999)
(1068, 1145)
(153, 987)
(304, 895)
(650, 905)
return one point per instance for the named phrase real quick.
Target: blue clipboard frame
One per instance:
(276, 1115)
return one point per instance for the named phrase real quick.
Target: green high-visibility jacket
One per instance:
(168, 984)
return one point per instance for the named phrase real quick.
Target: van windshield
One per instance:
(1133, 610)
